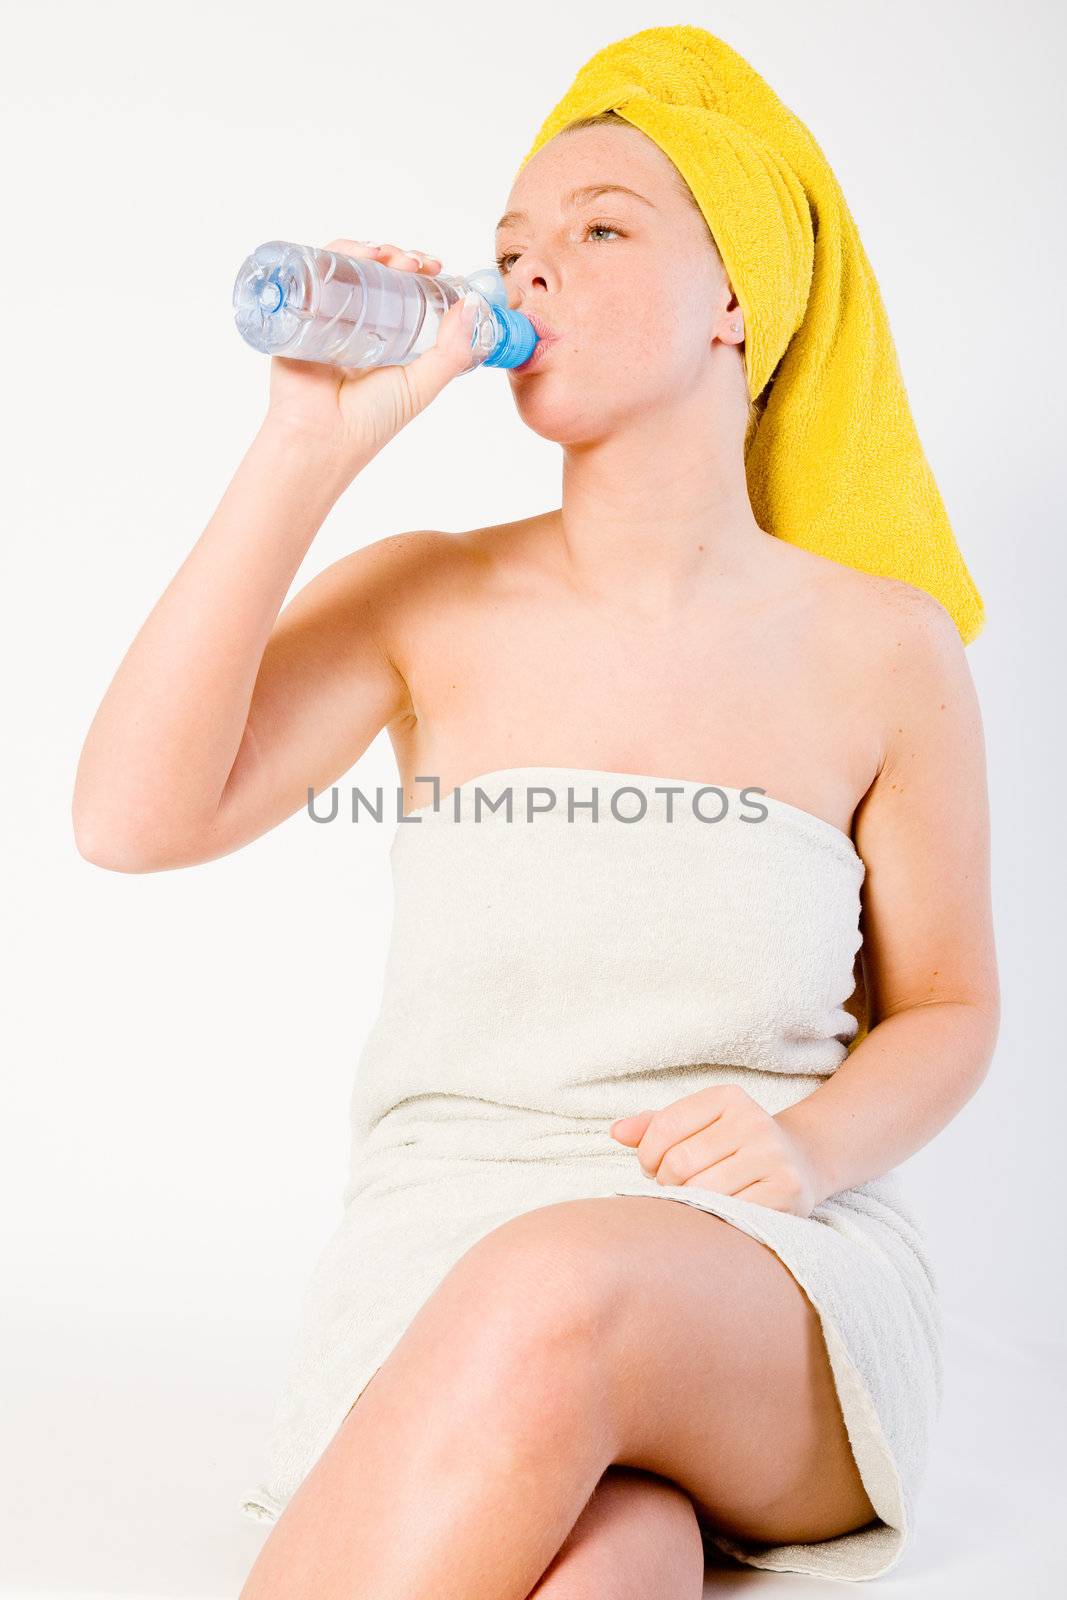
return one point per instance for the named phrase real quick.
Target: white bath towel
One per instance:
(550, 971)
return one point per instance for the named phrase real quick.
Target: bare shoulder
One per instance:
(386, 580)
(417, 592)
(430, 552)
(900, 640)
(400, 554)
(879, 610)
(423, 571)
(933, 762)
(905, 610)
(914, 651)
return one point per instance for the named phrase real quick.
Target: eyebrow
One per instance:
(589, 191)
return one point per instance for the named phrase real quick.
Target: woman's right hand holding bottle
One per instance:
(352, 412)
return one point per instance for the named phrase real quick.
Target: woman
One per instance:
(518, 1374)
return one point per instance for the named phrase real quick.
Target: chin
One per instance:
(558, 413)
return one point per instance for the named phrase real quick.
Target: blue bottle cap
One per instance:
(516, 334)
(516, 339)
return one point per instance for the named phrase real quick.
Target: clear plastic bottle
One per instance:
(318, 305)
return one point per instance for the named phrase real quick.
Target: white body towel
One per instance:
(550, 973)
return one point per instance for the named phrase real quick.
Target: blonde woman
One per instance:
(519, 1372)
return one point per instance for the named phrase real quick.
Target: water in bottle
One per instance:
(318, 305)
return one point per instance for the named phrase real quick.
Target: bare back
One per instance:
(774, 686)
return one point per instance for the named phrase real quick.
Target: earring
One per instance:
(735, 327)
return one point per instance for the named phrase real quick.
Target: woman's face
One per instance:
(634, 288)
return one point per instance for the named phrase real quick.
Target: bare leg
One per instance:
(467, 1459)
(637, 1539)
(625, 1331)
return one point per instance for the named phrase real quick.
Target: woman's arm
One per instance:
(928, 948)
(222, 714)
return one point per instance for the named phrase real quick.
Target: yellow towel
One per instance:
(835, 463)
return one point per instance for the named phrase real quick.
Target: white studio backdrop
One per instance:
(180, 1046)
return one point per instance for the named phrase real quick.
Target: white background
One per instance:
(180, 1046)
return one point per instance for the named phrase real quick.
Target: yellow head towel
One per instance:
(835, 464)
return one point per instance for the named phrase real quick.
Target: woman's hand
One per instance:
(720, 1139)
(354, 411)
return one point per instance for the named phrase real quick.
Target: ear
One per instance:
(730, 324)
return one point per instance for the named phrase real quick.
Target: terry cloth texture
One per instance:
(835, 463)
(551, 970)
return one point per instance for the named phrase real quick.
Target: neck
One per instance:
(656, 515)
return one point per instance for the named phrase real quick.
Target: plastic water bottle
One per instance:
(318, 305)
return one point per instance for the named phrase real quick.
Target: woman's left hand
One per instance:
(720, 1139)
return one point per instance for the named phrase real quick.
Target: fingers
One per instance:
(423, 261)
(426, 375)
(390, 255)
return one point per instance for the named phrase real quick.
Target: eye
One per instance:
(590, 227)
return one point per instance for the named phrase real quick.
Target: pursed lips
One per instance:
(543, 331)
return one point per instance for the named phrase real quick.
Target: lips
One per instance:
(542, 329)
(537, 358)
(545, 336)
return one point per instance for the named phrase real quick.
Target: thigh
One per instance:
(637, 1538)
(721, 1380)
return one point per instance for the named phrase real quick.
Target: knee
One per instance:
(537, 1297)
